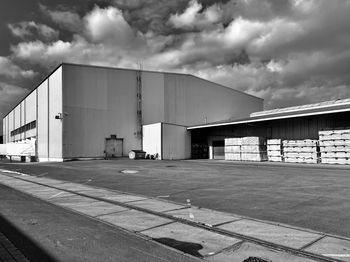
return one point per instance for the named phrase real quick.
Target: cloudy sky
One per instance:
(287, 52)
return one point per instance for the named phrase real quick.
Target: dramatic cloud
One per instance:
(9, 96)
(67, 20)
(288, 52)
(150, 15)
(193, 18)
(109, 26)
(10, 70)
(25, 30)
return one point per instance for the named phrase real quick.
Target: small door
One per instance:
(219, 149)
(113, 147)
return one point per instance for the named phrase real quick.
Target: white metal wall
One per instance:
(11, 125)
(55, 108)
(152, 139)
(4, 129)
(42, 125)
(49, 129)
(176, 142)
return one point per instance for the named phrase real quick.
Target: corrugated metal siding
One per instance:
(55, 107)
(192, 101)
(99, 102)
(176, 142)
(42, 125)
(293, 128)
(152, 98)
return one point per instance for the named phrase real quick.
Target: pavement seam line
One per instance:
(228, 222)
(165, 224)
(312, 242)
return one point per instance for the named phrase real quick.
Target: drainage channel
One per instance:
(171, 242)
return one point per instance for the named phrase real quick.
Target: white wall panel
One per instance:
(22, 109)
(42, 121)
(11, 125)
(4, 130)
(176, 142)
(152, 139)
(8, 137)
(30, 108)
(17, 114)
(55, 108)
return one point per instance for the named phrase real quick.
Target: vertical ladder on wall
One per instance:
(139, 102)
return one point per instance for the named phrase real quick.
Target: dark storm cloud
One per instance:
(150, 15)
(27, 30)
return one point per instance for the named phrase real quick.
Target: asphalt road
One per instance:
(45, 232)
(310, 196)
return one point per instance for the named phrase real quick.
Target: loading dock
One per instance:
(294, 123)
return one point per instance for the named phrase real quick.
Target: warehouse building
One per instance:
(82, 111)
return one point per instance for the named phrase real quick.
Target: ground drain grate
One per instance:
(256, 259)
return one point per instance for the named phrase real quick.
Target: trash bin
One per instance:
(137, 154)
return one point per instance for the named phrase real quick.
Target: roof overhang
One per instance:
(270, 118)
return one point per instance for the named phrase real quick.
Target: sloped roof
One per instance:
(328, 107)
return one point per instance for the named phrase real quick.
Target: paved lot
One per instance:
(315, 197)
(159, 219)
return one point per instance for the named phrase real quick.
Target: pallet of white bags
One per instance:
(301, 154)
(300, 149)
(274, 142)
(301, 160)
(299, 143)
(273, 147)
(234, 141)
(233, 156)
(275, 158)
(340, 161)
(337, 148)
(254, 156)
(233, 149)
(334, 132)
(339, 142)
(274, 153)
(253, 140)
(253, 148)
(335, 154)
